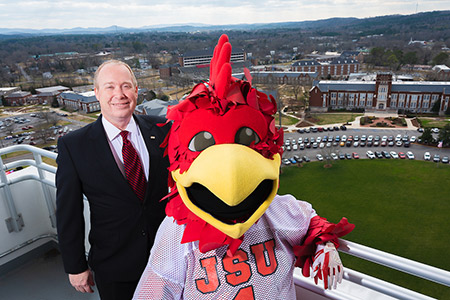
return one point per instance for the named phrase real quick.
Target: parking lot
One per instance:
(361, 141)
(20, 128)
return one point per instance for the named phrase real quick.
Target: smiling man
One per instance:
(118, 164)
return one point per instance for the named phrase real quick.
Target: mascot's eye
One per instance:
(245, 136)
(201, 141)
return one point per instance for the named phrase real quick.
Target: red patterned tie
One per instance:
(133, 167)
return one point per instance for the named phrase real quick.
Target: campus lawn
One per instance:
(431, 123)
(335, 118)
(285, 120)
(400, 207)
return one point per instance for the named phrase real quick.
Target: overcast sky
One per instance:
(39, 14)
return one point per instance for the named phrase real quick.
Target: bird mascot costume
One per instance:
(227, 234)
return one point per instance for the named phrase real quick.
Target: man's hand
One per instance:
(82, 282)
(327, 266)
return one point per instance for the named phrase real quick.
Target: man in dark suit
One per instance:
(122, 223)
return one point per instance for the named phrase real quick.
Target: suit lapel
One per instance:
(103, 155)
(152, 142)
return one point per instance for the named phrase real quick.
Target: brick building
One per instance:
(383, 94)
(338, 67)
(85, 102)
(19, 98)
(203, 57)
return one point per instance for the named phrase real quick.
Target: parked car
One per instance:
(378, 154)
(355, 155)
(370, 154)
(319, 157)
(306, 159)
(286, 161)
(436, 158)
(297, 158)
(334, 156)
(444, 160)
(292, 160)
(386, 154)
(427, 156)
(348, 156)
(410, 155)
(401, 155)
(341, 156)
(393, 154)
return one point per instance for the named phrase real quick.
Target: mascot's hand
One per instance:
(327, 266)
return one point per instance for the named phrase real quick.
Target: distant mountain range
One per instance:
(333, 23)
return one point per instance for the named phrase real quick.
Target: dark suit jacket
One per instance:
(122, 227)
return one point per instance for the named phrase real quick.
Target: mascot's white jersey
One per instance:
(262, 267)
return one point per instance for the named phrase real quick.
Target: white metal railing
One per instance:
(362, 280)
(15, 222)
(396, 262)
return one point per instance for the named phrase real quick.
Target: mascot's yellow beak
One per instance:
(227, 182)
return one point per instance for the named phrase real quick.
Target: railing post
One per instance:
(47, 195)
(15, 221)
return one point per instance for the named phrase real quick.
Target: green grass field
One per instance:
(335, 118)
(401, 207)
(430, 123)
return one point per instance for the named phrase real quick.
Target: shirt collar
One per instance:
(112, 131)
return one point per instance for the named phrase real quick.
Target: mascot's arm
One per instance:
(319, 250)
(152, 286)
(164, 276)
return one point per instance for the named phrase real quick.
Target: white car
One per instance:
(410, 155)
(393, 154)
(370, 154)
(295, 147)
(413, 139)
(319, 157)
(334, 156)
(427, 156)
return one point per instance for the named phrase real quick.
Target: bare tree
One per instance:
(49, 116)
(326, 153)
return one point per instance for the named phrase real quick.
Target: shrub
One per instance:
(362, 121)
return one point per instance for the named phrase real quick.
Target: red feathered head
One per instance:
(224, 153)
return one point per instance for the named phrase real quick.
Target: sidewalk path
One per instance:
(356, 123)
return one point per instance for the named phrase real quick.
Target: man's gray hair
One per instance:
(115, 62)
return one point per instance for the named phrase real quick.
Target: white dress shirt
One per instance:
(116, 143)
